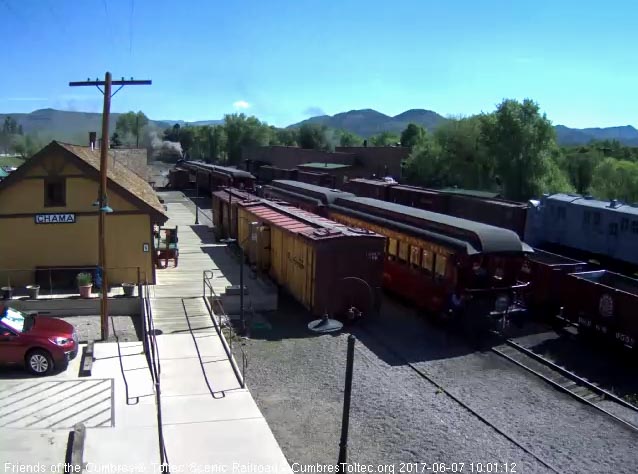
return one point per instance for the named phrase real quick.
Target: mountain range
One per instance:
(74, 126)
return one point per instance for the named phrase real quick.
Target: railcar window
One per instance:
(613, 228)
(403, 251)
(392, 247)
(596, 218)
(427, 262)
(415, 256)
(624, 224)
(634, 227)
(586, 218)
(441, 264)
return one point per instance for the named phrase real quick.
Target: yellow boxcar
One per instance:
(326, 266)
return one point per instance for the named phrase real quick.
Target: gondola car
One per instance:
(328, 267)
(546, 274)
(453, 268)
(602, 304)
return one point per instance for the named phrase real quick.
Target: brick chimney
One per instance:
(92, 140)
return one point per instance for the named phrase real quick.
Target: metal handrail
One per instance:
(153, 359)
(119, 353)
(224, 323)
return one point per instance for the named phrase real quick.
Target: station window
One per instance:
(596, 219)
(392, 247)
(624, 224)
(613, 228)
(634, 227)
(54, 192)
(415, 256)
(427, 262)
(404, 249)
(441, 264)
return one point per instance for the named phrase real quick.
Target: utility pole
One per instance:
(103, 198)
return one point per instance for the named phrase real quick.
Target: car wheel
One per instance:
(39, 362)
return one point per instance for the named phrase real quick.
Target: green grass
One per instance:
(11, 161)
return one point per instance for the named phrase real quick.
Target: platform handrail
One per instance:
(224, 323)
(153, 359)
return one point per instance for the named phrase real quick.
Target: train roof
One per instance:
(587, 201)
(325, 195)
(298, 221)
(234, 172)
(486, 238)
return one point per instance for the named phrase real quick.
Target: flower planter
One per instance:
(85, 291)
(34, 291)
(7, 292)
(129, 289)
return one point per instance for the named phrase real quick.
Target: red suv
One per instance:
(40, 343)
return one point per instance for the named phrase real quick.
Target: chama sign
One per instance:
(55, 218)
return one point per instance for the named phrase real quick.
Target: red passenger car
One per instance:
(454, 268)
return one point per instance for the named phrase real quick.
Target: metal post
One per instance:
(242, 322)
(196, 214)
(343, 444)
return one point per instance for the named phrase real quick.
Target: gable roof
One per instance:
(120, 177)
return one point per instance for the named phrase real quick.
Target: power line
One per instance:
(130, 28)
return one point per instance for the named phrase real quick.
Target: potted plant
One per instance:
(33, 291)
(129, 289)
(85, 282)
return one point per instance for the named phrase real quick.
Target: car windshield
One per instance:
(14, 319)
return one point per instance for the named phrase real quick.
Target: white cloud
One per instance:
(241, 104)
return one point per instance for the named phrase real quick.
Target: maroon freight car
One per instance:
(603, 304)
(546, 272)
(372, 188)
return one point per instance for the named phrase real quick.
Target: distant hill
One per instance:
(369, 122)
(74, 126)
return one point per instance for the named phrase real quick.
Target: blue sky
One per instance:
(286, 60)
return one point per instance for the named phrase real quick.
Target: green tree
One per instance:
(115, 140)
(27, 145)
(9, 129)
(427, 165)
(579, 166)
(347, 138)
(131, 124)
(314, 136)
(243, 131)
(283, 136)
(616, 179)
(412, 135)
(521, 139)
(471, 165)
(385, 139)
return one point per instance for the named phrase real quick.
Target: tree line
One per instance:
(513, 150)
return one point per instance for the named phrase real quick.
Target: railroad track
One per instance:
(431, 379)
(564, 380)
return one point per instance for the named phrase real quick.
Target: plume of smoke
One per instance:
(164, 149)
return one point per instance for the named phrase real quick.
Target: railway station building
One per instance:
(49, 219)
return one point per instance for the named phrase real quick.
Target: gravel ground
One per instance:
(127, 328)
(297, 379)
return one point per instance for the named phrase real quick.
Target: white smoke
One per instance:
(164, 149)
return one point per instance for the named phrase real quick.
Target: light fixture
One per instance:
(96, 203)
(106, 209)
